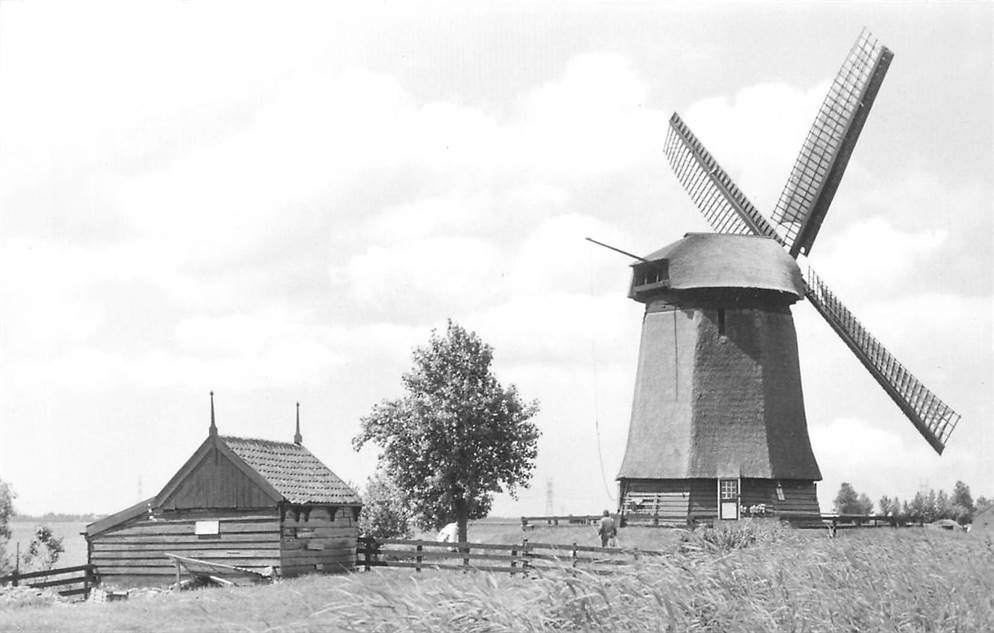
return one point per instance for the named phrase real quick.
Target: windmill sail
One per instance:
(819, 167)
(723, 205)
(729, 211)
(933, 418)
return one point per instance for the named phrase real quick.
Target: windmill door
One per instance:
(728, 499)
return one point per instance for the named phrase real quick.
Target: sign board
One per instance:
(207, 528)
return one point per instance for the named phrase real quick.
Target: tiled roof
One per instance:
(293, 471)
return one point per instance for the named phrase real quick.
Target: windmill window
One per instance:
(721, 321)
(729, 489)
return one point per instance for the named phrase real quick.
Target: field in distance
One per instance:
(746, 577)
(69, 531)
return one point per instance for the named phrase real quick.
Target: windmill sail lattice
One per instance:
(800, 211)
(933, 418)
(723, 205)
(819, 167)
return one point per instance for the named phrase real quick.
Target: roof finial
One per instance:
(297, 438)
(213, 429)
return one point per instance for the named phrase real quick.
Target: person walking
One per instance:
(607, 530)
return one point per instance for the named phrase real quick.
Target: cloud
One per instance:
(279, 210)
(756, 135)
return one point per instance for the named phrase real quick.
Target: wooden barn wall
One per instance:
(704, 498)
(215, 482)
(318, 539)
(658, 500)
(799, 496)
(134, 554)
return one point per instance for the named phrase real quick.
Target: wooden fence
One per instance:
(799, 520)
(520, 558)
(84, 575)
(528, 523)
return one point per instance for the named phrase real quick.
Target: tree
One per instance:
(456, 437)
(962, 503)
(889, 506)
(7, 496)
(865, 504)
(848, 502)
(982, 504)
(44, 549)
(383, 513)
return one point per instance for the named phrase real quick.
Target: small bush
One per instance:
(731, 536)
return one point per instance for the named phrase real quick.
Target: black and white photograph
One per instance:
(496, 316)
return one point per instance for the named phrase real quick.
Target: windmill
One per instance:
(718, 419)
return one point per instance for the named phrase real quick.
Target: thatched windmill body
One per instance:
(718, 420)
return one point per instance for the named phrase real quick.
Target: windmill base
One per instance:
(692, 501)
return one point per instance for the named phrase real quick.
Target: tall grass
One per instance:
(748, 578)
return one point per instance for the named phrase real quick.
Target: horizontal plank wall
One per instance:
(800, 497)
(656, 500)
(318, 539)
(134, 553)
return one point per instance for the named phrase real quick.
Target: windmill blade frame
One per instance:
(728, 210)
(721, 202)
(819, 167)
(933, 418)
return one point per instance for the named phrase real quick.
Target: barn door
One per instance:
(728, 499)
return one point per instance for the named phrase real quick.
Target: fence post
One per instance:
(17, 564)
(524, 555)
(368, 551)
(417, 564)
(573, 555)
(514, 560)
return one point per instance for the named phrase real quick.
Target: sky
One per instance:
(279, 202)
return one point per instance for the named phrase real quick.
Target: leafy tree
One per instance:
(889, 506)
(847, 501)
(929, 506)
(7, 496)
(456, 437)
(383, 512)
(963, 508)
(44, 549)
(982, 504)
(942, 508)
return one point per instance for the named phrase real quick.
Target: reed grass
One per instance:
(746, 578)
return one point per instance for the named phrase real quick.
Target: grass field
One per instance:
(751, 578)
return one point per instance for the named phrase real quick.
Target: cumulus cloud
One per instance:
(278, 211)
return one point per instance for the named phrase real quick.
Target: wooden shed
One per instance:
(267, 506)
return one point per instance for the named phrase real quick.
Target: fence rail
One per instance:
(519, 558)
(796, 519)
(84, 575)
(570, 520)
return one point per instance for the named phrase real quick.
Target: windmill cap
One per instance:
(717, 260)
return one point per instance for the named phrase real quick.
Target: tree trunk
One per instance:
(461, 520)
